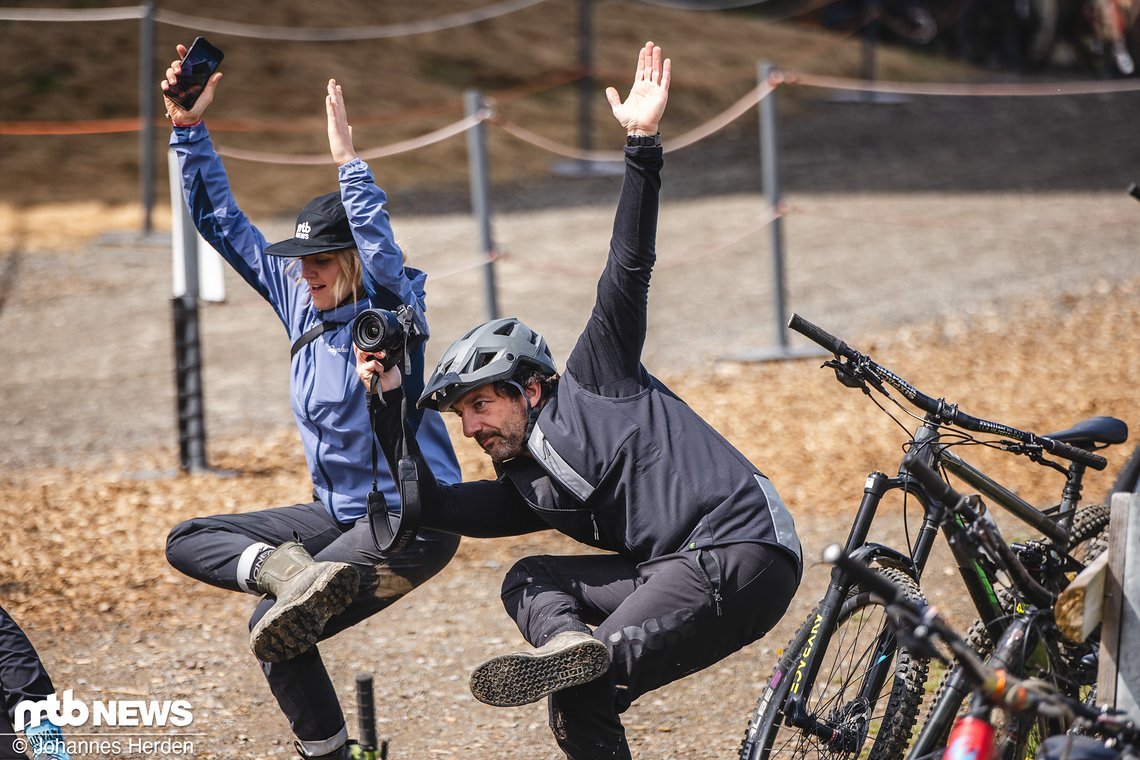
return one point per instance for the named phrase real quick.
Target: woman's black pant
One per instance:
(661, 620)
(208, 549)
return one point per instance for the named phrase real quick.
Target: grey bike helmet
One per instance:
(492, 351)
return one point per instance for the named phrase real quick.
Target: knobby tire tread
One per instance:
(903, 701)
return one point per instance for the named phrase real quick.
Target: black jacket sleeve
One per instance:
(479, 508)
(607, 357)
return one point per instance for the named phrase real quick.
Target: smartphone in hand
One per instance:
(200, 63)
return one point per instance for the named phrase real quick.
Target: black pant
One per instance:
(22, 677)
(208, 549)
(661, 620)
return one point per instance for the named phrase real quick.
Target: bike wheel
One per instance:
(1088, 538)
(878, 727)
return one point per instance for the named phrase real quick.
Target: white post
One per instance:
(211, 285)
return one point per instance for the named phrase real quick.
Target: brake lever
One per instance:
(845, 375)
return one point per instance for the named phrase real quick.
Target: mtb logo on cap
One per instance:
(303, 231)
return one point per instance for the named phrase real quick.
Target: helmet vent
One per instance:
(482, 360)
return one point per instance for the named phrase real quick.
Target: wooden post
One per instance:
(1118, 678)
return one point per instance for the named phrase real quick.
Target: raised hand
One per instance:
(175, 112)
(340, 133)
(641, 112)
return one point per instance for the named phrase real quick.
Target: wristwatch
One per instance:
(646, 141)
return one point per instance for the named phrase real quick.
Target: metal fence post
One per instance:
(586, 83)
(147, 101)
(770, 179)
(481, 195)
(190, 409)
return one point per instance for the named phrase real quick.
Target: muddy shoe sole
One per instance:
(292, 626)
(524, 677)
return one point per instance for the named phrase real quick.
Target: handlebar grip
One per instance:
(914, 465)
(863, 574)
(1073, 453)
(819, 335)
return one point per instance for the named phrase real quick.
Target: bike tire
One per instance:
(888, 729)
(1087, 540)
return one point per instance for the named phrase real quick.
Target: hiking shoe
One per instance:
(571, 658)
(307, 594)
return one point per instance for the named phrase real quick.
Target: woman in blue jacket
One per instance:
(315, 562)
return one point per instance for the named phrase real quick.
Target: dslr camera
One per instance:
(392, 332)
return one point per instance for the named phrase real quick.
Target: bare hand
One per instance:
(641, 112)
(176, 113)
(340, 133)
(372, 373)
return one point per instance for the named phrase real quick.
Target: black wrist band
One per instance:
(640, 141)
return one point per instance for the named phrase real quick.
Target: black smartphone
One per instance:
(200, 63)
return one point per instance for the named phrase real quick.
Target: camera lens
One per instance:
(377, 330)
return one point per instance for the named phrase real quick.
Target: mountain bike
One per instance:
(845, 686)
(995, 684)
(1030, 645)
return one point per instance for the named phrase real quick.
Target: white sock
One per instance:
(249, 563)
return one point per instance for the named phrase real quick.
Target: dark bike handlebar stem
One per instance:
(861, 365)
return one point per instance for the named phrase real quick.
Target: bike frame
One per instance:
(977, 578)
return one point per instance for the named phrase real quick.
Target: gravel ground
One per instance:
(1006, 279)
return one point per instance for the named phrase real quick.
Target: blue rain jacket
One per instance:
(328, 400)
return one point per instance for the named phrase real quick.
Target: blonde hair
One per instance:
(350, 280)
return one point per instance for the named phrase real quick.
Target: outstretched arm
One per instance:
(213, 210)
(385, 279)
(607, 358)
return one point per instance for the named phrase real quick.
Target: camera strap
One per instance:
(311, 334)
(393, 531)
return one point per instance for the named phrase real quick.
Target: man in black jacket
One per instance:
(705, 554)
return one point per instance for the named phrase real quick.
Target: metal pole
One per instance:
(481, 194)
(147, 101)
(586, 83)
(770, 178)
(872, 9)
(188, 376)
(187, 344)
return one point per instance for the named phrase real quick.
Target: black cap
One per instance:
(322, 226)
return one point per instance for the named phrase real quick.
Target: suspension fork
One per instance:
(886, 645)
(810, 660)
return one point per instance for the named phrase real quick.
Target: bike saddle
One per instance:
(1094, 430)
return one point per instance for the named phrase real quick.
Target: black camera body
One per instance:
(393, 332)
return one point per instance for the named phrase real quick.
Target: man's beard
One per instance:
(505, 443)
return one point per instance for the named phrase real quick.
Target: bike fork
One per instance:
(803, 674)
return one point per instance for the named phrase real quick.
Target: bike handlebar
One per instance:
(948, 413)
